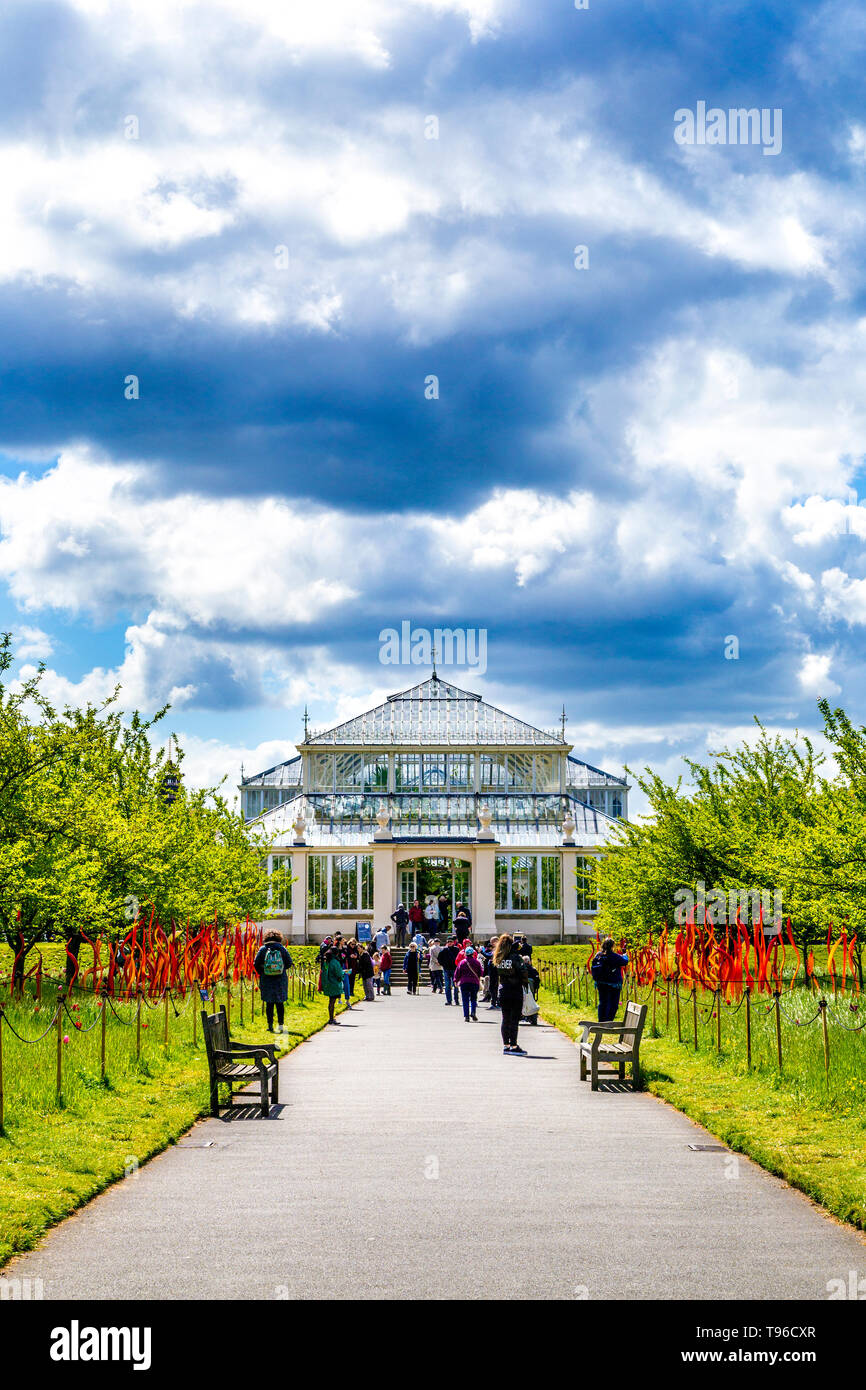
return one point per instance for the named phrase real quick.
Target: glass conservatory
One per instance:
(435, 791)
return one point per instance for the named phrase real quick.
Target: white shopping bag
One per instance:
(530, 1003)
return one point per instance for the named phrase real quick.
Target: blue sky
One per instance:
(626, 464)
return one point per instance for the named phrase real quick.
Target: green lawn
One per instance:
(817, 1147)
(54, 1158)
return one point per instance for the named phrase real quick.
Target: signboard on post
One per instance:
(363, 931)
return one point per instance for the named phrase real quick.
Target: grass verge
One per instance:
(53, 1161)
(814, 1147)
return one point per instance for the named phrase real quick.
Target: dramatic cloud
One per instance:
(238, 241)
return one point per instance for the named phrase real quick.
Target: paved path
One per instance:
(412, 1159)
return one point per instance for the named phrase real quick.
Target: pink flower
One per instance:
(66, 1037)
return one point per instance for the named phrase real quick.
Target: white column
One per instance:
(383, 885)
(569, 893)
(484, 892)
(299, 896)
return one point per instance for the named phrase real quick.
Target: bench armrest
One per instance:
(589, 1026)
(253, 1047)
(252, 1054)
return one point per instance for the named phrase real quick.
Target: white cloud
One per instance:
(814, 675)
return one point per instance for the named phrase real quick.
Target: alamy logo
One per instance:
(419, 646)
(737, 126)
(77, 1343)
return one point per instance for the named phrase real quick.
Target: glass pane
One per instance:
(350, 771)
(493, 772)
(586, 900)
(546, 772)
(550, 877)
(407, 772)
(344, 882)
(520, 772)
(317, 882)
(524, 882)
(434, 773)
(366, 903)
(460, 771)
(376, 773)
(320, 772)
(281, 883)
(502, 904)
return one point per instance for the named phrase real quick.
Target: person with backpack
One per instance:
(272, 964)
(412, 966)
(416, 918)
(400, 918)
(332, 981)
(447, 963)
(467, 976)
(607, 971)
(512, 976)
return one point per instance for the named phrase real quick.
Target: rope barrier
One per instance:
(4, 1019)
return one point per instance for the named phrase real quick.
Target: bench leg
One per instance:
(266, 1109)
(275, 1086)
(595, 1073)
(635, 1073)
(583, 1066)
(215, 1099)
(622, 1071)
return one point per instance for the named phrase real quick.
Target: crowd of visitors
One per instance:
(498, 973)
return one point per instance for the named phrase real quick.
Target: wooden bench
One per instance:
(626, 1049)
(238, 1064)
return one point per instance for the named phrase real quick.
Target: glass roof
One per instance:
(435, 712)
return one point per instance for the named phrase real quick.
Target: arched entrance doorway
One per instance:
(434, 875)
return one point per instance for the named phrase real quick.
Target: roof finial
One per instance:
(306, 723)
(242, 772)
(435, 677)
(564, 722)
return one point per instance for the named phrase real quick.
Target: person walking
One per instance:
(353, 961)
(512, 976)
(436, 973)
(401, 918)
(607, 972)
(332, 981)
(272, 964)
(366, 970)
(385, 963)
(468, 975)
(431, 915)
(377, 970)
(447, 961)
(383, 937)
(412, 966)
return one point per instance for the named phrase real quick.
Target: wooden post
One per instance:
(718, 1020)
(102, 1031)
(695, 1013)
(165, 1021)
(667, 1005)
(822, 1005)
(242, 1001)
(229, 1006)
(59, 1045)
(138, 1023)
(777, 996)
(748, 1028)
(2, 1131)
(195, 1004)
(679, 1021)
(654, 1004)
